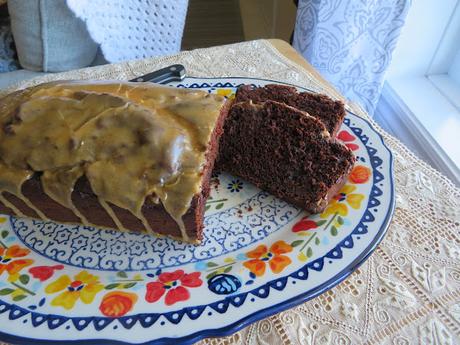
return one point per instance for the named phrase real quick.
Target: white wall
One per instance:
(420, 37)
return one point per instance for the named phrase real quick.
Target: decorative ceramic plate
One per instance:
(75, 284)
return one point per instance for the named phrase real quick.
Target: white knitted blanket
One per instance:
(133, 29)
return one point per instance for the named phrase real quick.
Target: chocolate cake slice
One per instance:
(331, 113)
(284, 151)
(127, 156)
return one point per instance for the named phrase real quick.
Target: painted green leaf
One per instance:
(321, 222)
(129, 285)
(219, 206)
(4, 233)
(334, 231)
(207, 207)
(19, 298)
(340, 220)
(317, 241)
(24, 279)
(296, 243)
(210, 275)
(309, 252)
(122, 274)
(228, 269)
(111, 286)
(211, 264)
(5, 291)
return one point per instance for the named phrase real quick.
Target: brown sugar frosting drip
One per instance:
(130, 140)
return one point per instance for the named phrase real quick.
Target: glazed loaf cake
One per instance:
(330, 112)
(284, 151)
(113, 154)
(138, 157)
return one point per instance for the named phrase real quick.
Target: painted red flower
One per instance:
(44, 272)
(346, 138)
(303, 225)
(174, 284)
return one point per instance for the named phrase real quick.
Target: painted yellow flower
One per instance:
(228, 93)
(342, 200)
(84, 286)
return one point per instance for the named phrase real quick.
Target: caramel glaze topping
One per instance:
(130, 140)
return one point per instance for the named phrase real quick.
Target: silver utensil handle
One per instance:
(164, 75)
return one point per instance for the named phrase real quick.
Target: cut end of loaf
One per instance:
(287, 153)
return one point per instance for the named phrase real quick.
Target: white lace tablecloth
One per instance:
(408, 291)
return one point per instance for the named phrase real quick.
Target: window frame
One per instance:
(409, 98)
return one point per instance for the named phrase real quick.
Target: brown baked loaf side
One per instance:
(187, 113)
(87, 203)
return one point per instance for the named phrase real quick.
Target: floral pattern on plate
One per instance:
(258, 253)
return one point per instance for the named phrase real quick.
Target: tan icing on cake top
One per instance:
(130, 140)
(61, 192)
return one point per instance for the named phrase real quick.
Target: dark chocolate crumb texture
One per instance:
(284, 151)
(331, 113)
